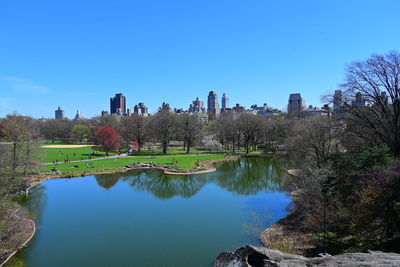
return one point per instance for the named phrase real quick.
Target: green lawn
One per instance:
(60, 154)
(182, 152)
(183, 162)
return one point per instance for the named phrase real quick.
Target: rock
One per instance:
(260, 256)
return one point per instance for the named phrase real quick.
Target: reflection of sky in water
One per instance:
(152, 219)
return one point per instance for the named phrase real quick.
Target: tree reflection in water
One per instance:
(244, 177)
(249, 176)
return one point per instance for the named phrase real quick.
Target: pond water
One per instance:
(147, 218)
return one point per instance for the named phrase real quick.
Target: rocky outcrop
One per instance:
(260, 256)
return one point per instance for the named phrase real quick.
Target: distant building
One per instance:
(118, 104)
(359, 101)
(104, 113)
(238, 108)
(225, 101)
(79, 115)
(59, 114)
(129, 112)
(384, 98)
(164, 106)
(212, 105)
(196, 106)
(314, 111)
(337, 101)
(179, 110)
(296, 105)
(141, 109)
(264, 110)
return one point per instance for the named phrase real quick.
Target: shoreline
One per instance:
(206, 166)
(21, 219)
(284, 235)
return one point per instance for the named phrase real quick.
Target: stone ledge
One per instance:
(259, 256)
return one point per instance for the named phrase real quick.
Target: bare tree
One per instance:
(273, 132)
(312, 140)
(31, 147)
(190, 128)
(226, 129)
(249, 125)
(377, 81)
(163, 126)
(15, 130)
(133, 128)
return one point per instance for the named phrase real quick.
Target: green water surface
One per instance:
(147, 218)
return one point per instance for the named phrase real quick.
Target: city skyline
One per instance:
(255, 52)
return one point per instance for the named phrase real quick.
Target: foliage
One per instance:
(80, 132)
(108, 138)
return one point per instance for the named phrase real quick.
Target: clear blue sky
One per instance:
(77, 54)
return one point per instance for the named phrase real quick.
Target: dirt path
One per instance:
(65, 146)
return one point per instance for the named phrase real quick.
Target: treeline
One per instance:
(241, 131)
(350, 163)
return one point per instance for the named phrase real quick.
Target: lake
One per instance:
(147, 218)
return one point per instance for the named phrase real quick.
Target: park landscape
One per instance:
(177, 133)
(275, 176)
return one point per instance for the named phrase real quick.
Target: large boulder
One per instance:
(259, 256)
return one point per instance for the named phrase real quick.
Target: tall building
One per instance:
(59, 114)
(196, 106)
(141, 109)
(164, 106)
(359, 101)
(337, 100)
(296, 105)
(118, 104)
(212, 105)
(238, 108)
(225, 101)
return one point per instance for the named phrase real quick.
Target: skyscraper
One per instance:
(212, 105)
(118, 104)
(296, 105)
(225, 101)
(141, 109)
(164, 106)
(59, 114)
(337, 100)
(359, 101)
(196, 106)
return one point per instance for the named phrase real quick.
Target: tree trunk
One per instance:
(164, 145)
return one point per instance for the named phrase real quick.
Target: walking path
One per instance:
(124, 155)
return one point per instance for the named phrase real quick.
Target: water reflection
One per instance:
(243, 177)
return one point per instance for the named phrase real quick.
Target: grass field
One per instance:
(113, 164)
(182, 152)
(61, 154)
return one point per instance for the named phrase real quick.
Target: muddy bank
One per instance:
(285, 234)
(21, 230)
